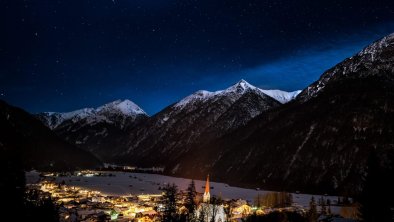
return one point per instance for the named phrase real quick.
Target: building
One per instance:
(207, 211)
(207, 196)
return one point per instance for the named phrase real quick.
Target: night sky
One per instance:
(68, 54)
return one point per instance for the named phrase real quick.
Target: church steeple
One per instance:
(207, 196)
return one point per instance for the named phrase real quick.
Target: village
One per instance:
(76, 203)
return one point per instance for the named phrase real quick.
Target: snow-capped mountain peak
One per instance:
(279, 95)
(201, 95)
(238, 89)
(243, 84)
(125, 107)
(105, 112)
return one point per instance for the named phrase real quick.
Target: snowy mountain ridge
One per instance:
(238, 89)
(373, 49)
(321, 142)
(124, 108)
(375, 56)
(197, 119)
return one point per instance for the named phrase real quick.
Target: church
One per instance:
(207, 196)
(208, 210)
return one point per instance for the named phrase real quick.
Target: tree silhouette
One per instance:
(323, 208)
(169, 200)
(312, 213)
(203, 213)
(376, 199)
(328, 206)
(214, 207)
(39, 206)
(190, 202)
(228, 212)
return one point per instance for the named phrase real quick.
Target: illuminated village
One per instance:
(78, 204)
(81, 204)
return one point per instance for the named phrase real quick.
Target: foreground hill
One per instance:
(26, 139)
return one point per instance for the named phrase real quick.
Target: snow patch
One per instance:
(299, 149)
(281, 96)
(175, 169)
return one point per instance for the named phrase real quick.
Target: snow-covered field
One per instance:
(124, 183)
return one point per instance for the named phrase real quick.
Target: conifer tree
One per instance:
(312, 213)
(323, 208)
(202, 213)
(190, 202)
(169, 200)
(214, 207)
(329, 207)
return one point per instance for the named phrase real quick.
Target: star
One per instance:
(106, 46)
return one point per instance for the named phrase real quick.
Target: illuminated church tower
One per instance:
(207, 196)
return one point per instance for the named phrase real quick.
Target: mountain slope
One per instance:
(319, 142)
(374, 60)
(36, 145)
(100, 130)
(197, 119)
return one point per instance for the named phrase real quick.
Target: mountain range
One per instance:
(107, 130)
(314, 140)
(97, 130)
(196, 120)
(319, 142)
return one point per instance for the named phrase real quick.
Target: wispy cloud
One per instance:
(303, 67)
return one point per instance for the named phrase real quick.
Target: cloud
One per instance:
(305, 66)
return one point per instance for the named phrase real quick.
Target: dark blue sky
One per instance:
(68, 54)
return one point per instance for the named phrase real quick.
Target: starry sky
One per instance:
(62, 55)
